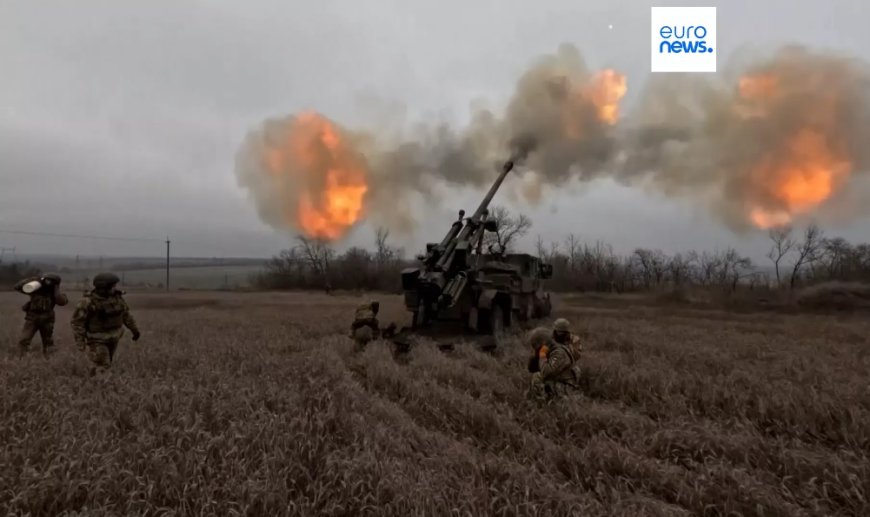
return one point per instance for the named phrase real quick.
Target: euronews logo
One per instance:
(683, 39)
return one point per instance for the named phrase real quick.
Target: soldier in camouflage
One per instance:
(554, 368)
(99, 320)
(366, 327)
(39, 311)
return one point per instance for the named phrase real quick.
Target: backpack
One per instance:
(572, 356)
(109, 311)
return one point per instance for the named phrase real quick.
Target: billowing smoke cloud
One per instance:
(780, 141)
(306, 173)
(776, 141)
(558, 122)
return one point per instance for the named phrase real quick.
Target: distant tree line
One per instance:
(181, 262)
(796, 260)
(314, 264)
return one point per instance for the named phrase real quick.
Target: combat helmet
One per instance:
(53, 277)
(538, 337)
(561, 325)
(105, 280)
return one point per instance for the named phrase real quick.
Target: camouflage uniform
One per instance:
(365, 326)
(554, 368)
(99, 320)
(39, 312)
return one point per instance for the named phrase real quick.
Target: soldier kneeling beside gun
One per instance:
(554, 363)
(365, 326)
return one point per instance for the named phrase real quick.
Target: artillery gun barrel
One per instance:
(475, 220)
(506, 168)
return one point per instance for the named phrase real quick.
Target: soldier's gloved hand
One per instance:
(136, 335)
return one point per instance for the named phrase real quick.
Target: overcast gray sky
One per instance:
(124, 118)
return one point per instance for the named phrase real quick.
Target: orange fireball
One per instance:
(805, 174)
(607, 89)
(328, 173)
(604, 92)
(807, 163)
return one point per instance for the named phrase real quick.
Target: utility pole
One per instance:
(167, 263)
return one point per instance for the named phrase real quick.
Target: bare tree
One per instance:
(599, 262)
(572, 249)
(808, 251)
(385, 253)
(783, 243)
(643, 262)
(708, 266)
(835, 258)
(659, 266)
(318, 254)
(540, 248)
(387, 260)
(680, 269)
(552, 256)
(510, 228)
(734, 267)
(859, 262)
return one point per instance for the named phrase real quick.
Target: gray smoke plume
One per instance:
(778, 139)
(777, 142)
(552, 123)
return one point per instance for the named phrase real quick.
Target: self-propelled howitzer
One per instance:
(485, 292)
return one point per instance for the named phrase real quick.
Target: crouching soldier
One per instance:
(554, 368)
(44, 294)
(366, 327)
(99, 320)
(365, 324)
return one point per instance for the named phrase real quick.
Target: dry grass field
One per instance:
(254, 404)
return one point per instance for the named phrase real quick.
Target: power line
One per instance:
(103, 237)
(76, 236)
